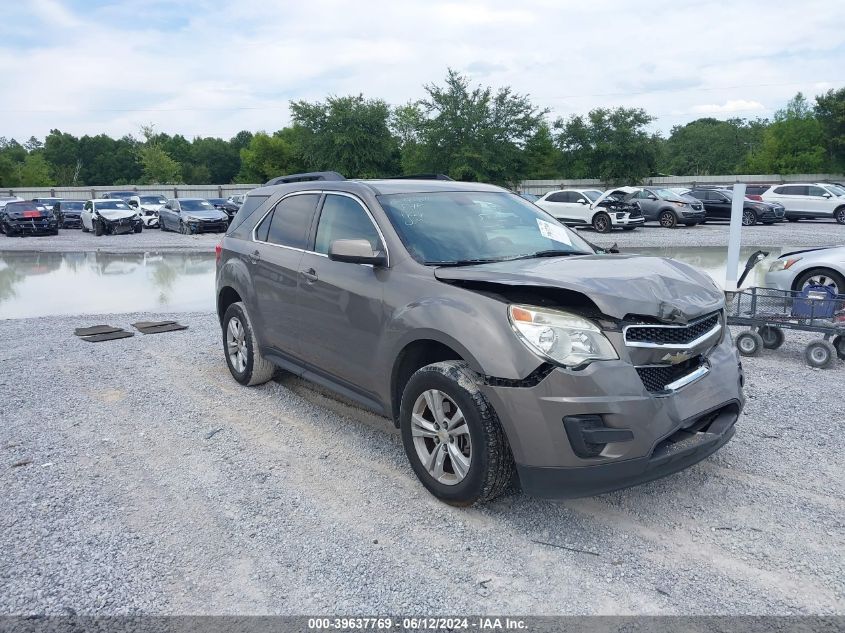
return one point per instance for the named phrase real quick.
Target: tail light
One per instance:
(217, 251)
(752, 196)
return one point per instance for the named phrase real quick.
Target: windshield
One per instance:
(836, 190)
(592, 194)
(666, 194)
(152, 199)
(476, 226)
(195, 205)
(73, 205)
(112, 204)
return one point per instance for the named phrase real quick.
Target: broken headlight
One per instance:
(561, 337)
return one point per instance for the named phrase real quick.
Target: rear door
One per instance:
(793, 197)
(278, 242)
(718, 205)
(557, 204)
(341, 309)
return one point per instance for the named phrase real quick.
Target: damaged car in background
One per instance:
(192, 215)
(148, 207)
(27, 218)
(69, 213)
(110, 216)
(501, 344)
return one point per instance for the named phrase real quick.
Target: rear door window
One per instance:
(291, 220)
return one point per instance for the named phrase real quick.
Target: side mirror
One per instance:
(356, 252)
(826, 195)
(132, 203)
(582, 201)
(651, 196)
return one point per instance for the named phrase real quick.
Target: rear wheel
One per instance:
(601, 222)
(839, 214)
(773, 337)
(820, 354)
(749, 343)
(452, 436)
(749, 218)
(245, 361)
(668, 220)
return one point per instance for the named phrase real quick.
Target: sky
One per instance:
(212, 68)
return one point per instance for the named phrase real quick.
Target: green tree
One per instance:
(406, 123)
(108, 161)
(793, 144)
(542, 157)
(269, 156)
(350, 135)
(34, 171)
(216, 160)
(476, 133)
(62, 153)
(830, 111)
(612, 145)
(708, 146)
(159, 167)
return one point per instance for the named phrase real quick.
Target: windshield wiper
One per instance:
(552, 253)
(463, 262)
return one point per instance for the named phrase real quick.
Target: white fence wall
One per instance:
(86, 193)
(542, 186)
(530, 186)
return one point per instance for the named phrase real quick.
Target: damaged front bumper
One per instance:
(588, 431)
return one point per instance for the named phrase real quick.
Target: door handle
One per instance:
(310, 275)
(255, 257)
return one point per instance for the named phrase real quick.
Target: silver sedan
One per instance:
(811, 267)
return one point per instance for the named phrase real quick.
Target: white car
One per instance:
(577, 207)
(110, 216)
(809, 267)
(4, 200)
(148, 207)
(808, 201)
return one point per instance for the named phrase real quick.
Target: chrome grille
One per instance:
(671, 335)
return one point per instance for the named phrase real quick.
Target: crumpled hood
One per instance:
(618, 284)
(115, 214)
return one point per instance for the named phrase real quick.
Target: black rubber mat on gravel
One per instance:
(108, 336)
(145, 324)
(96, 329)
(164, 327)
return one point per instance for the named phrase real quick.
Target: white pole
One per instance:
(734, 236)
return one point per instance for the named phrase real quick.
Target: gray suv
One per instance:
(667, 207)
(505, 347)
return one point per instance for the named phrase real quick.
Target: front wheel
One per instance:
(601, 223)
(839, 214)
(820, 354)
(98, 228)
(668, 220)
(628, 228)
(749, 343)
(139, 228)
(246, 363)
(749, 218)
(452, 436)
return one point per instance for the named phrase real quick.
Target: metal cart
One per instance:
(768, 312)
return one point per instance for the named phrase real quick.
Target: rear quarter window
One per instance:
(250, 206)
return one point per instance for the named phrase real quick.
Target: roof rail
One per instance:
(421, 177)
(311, 175)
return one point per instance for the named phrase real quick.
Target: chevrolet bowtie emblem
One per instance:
(678, 357)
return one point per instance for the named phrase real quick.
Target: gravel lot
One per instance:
(805, 233)
(137, 476)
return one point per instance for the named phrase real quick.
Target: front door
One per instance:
(273, 256)
(341, 310)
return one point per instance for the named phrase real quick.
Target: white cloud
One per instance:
(732, 106)
(209, 68)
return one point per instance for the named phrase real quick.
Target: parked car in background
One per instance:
(118, 195)
(755, 192)
(148, 207)
(225, 206)
(719, 202)
(574, 207)
(192, 215)
(110, 216)
(69, 213)
(494, 337)
(667, 207)
(807, 201)
(19, 218)
(809, 267)
(4, 200)
(836, 190)
(47, 203)
(237, 200)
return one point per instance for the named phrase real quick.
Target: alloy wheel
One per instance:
(236, 344)
(823, 280)
(441, 437)
(748, 218)
(840, 215)
(667, 220)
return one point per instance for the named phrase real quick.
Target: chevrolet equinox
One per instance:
(505, 347)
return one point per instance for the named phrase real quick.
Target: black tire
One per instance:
(161, 224)
(257, 369)
(629, 228)
(831, 278)
(491, 467)
(183, 228)
(749, 218)
(98, 228)
(820, 354)
(792, 219)
(668, 219)
(773, 337)
(54, 232)
(839, 344)
(139, 228)
(602, 223)
(749, 343)
(839, 215)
